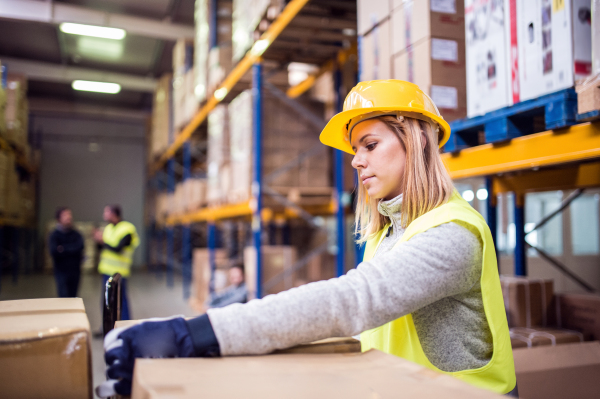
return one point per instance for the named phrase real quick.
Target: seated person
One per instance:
(235, 293)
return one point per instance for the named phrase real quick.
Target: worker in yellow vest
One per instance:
(119, 241)
(427, 290)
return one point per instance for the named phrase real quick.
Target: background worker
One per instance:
(119, 241)
(66, 248)
(235, 293)
(427, 290)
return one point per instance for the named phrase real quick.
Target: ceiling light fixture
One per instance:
(91, 30)
(97, 87)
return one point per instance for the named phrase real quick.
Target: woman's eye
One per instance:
(371, 146)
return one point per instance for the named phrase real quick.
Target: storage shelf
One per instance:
(554, 147)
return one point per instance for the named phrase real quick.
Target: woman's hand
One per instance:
(156, 338)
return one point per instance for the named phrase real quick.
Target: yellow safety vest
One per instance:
(112, 262)
(400, 337)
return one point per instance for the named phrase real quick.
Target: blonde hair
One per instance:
(426, 183)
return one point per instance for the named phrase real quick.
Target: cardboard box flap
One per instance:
(363, 375)
(40, 318)
(557, 357)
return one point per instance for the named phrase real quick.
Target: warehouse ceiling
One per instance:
(31, 42)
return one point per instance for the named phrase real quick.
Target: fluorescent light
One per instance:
(482, 194)
(468, 195)
(221, 93)
(93, 47)
(91, 30)
(260, 47)
(98, 87)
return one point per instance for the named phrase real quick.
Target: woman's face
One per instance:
(380, 159)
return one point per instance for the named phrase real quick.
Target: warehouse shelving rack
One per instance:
(560, 159)
(326, 37)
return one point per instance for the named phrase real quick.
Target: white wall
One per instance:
(73, 175)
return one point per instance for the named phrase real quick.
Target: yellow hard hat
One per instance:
(377, 98)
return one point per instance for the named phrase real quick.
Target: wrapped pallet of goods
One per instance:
(284, 138)
(219, 172)
(161, 115)
(277, 261)
(199, 78)
(16, 112)
(184, 99)
(247, 15)
(195, 192)
(418, 41)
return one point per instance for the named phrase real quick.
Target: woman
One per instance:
(428, 288)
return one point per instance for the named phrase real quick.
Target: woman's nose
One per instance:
(357, 162)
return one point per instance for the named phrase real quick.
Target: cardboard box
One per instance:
(275, 260)
(375, 53)
(201, 275)
(45, 349)
(528, 302)
(329, 345)
(162, 125)
(201, 48)
(579, 312)
(416, 21)
(529, 337)
(488, 62)
(218, 156)
(372, 374)
(588, 94)
(554, 45)
(371, 13)
(558, 372)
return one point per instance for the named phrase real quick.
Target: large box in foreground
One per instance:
(372, 374)
(45, 349)
(559, 372)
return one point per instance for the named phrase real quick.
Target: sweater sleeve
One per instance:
(430, 266)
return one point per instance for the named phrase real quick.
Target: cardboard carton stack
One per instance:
(284, 138)
(276, 259)
(579, 312)
(220, 57)
(219, 173)
(185, 102)
(201, 274)
(195, 193)
(45, 349)
(420, 42)
(588, 94)
(161, 116)
(5, 166)
(523, 49)
(247, 14)
(162, 207)
(16, 112)
(201, 48)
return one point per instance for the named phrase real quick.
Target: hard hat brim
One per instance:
(334, 133)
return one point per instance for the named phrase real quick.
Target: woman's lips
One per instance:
(366, 179)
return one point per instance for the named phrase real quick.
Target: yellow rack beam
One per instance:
(573, 144)
(212, 214)
(286, 16)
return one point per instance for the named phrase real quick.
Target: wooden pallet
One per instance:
(552, 111)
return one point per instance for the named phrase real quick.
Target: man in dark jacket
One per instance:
(66, 248)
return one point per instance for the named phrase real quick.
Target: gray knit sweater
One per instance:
(434, 275)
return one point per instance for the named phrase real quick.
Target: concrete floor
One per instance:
(149, 296)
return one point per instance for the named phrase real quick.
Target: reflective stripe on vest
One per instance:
(400, 337)
(112, 262)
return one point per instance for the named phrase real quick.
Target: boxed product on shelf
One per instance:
(521, 337)
(45, 349)
(372, 374)
(195, 193)
(554, 42)
(201, 274)
(528, 301)
(201, 48)
(218, 175)
(162, 207)
(588, 94)
(5, 166)
(219, 65)
(16, 112)
(488, 61)
(557, 372)
(371, 13)
(161, 115)
(285, 136)
(185, 101)
(247, 14)
(276, 259)
(579, 312)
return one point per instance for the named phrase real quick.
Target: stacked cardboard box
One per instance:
(529, 337)
(16, 112)
(579, 312)
(195, 193)
(219, 65)
(276, 259)
(161, 207)
(523, 49)
(528, 301)
(284, 138)
(219, 175)
(185, 102)
(201, 47)
(5, 166)
(420, 42)
(45, 349)
(201, 275)
(247, 14)
(161, 115)
(588, 94)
